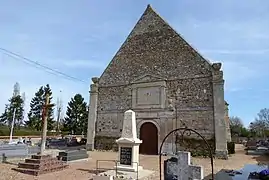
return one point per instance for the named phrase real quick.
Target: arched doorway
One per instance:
(149, 137)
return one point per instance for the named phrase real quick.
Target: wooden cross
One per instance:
(45, 124)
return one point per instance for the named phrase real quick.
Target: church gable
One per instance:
(153, 47)
(148, 78)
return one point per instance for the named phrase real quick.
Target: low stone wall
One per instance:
(106, 143)
(197, 147)
(34, 140)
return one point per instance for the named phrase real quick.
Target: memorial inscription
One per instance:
(126, 155)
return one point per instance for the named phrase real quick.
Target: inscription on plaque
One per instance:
(148, 95)
(126, 155)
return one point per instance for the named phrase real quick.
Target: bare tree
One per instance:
(236, 125)
(263, 116)
(261, 123)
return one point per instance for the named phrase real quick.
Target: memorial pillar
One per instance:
(92, 114)
(129, 145)
(219, 112)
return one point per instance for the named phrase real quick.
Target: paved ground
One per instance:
(83, 170)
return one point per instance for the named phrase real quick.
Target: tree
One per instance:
(15, 105)
(36, 108)
(245, 132)
(236, 126)
(263, 117)
(260, 126)
(76, 120)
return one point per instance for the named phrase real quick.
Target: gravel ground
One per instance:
(83, 170)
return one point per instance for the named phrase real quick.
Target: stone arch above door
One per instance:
(140, 123)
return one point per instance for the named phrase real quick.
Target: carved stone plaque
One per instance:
(148, 96)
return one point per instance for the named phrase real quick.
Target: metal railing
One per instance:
(116, 166)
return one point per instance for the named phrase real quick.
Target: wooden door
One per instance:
(149, 136)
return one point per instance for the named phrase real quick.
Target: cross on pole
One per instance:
(45, 124)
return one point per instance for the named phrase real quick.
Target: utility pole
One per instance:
(12, 126)
(45, 124)
(59, 110)
(58, 119)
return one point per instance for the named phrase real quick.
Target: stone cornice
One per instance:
(170, 79)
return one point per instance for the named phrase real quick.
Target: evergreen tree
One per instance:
(76, 120)
(36, 109)
(15, 104)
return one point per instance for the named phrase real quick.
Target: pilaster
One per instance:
(219, 113)
(92, 114)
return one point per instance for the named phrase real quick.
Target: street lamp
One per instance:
(78, 117)
(173, 108)
(252, 130)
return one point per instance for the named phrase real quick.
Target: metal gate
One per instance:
(181, 135)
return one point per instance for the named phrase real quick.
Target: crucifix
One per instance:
(45, 124)
(147, 95)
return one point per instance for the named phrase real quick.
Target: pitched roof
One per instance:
(150, 21)
(151, 27)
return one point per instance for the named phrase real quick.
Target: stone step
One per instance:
(40, 166)
(41, 156)
(38, 161)
(27, 171)
(35, 161)
(29, 165)
(37, 172)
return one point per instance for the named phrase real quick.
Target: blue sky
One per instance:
(80, 38)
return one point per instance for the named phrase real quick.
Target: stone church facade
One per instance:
(168, 84)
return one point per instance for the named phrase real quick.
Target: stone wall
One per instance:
(156, 53)
(193, 98)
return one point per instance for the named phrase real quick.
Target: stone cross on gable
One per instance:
(180, 168)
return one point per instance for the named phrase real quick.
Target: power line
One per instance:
(38, 65)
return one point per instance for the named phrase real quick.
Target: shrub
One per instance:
(5, 131)
(231, 147)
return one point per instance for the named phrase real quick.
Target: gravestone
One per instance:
(242, 174)
(251, 145)
(180, 168)
(73, 155)
(55, 143)
(13, 150)
(129, 144)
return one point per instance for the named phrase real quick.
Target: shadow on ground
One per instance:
(262, 159)
(91, 171)
(67, 148)
(209, 177)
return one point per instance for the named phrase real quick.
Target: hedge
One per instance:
(231, 147)
(25, 132)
